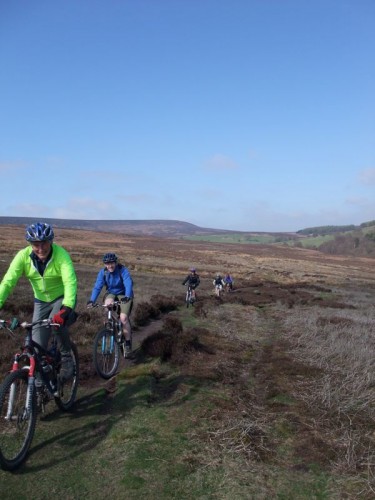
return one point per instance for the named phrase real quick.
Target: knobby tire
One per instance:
(17, 422)
(68, 391)
(106, 354)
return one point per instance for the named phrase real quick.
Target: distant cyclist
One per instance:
(193, 280)
(228, 280)
(219, 284)
(119, 286)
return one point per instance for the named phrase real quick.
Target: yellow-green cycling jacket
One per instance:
(59, 278)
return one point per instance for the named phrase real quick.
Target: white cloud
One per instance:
(138, 198)
(210, 194)
(367, 176)
(86, 208)
(29, 210)
(358, 201)
(6, 166)
(220, 162)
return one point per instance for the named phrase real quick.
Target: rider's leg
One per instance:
(109, 300)
(41, 336)
(126, 326)
(67, 367)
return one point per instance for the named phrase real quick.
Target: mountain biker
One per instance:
(228, 280)
(51, 273)
(119, 286)
(193, 280)
(218, 283)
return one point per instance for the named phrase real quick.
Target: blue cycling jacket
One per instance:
(119, 282)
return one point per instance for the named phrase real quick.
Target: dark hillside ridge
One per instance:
(158, 228)
(324, 230)
(345, 240)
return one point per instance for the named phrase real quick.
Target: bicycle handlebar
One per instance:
(108, 306)
(11, 325)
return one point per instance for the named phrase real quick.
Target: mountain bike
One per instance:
(109, 343)
(190, 296)
(21, 396)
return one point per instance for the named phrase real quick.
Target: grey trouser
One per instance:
(44, 310)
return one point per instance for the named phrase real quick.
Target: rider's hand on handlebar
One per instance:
(90, 304)
(124, 300)
(62, 315)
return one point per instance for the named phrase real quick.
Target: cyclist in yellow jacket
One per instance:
(51, 273)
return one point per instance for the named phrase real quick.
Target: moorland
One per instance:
(335, 240)
(265, 392)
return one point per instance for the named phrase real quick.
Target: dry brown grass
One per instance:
(290, 351)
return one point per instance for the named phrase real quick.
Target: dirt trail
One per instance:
(88, 376)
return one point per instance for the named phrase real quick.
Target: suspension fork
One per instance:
(30, 387)
(30, 384)
(111, 342)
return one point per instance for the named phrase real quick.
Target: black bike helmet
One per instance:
(40, 231)
(109, 257)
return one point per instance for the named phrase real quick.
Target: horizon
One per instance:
(250, 114)
(51, 220)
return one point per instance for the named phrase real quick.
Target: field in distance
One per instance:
(335, 240)
(175, 256)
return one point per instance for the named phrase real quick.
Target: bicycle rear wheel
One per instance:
(67, 391)
(106, 354)
(18, 414)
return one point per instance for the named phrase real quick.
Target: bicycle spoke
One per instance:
(17, 419)
(67, 392)
(106, 354)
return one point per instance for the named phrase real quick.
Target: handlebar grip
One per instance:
(14, 324)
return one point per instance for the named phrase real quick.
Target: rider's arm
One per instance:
(99, 283)
(11, 277)
(69, 280)
(128, 282)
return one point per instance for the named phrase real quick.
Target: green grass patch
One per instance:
(252, 239)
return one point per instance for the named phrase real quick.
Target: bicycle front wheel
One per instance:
(67, 391)
(106, 354)
(18, 414)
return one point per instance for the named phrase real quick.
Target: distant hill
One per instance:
(158, 228)
(324, 230)
(344, 240)
(335, 240)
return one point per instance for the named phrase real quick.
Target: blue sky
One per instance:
(252, 115)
